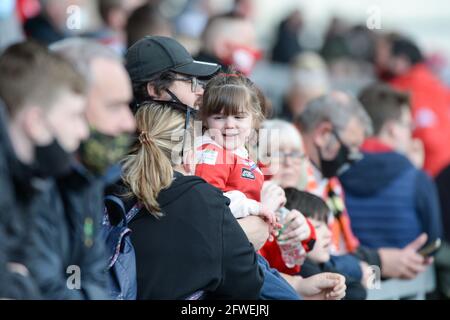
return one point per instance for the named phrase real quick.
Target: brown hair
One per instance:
(230, 94)
(310, 205)
(149, 167)
(383, 103)
(29, 73)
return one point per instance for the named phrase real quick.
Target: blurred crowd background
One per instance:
(348, 36)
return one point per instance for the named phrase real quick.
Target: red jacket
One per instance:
(271, 251)
(430, 102)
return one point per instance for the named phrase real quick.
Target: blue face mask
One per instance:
(7, 8)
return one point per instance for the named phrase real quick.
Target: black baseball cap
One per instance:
(155, 54)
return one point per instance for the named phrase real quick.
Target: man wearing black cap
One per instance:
(162, 69)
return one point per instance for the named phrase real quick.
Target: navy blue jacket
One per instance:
(389, 201)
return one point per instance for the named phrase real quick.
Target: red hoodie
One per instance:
(430, 102)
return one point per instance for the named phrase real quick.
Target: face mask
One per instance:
(51, 160)
(243, 58)
(341, 163)
(101, 151)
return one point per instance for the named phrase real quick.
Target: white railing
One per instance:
(415, 289)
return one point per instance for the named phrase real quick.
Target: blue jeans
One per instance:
(274, 286)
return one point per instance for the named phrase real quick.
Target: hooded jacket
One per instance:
(196, 245)
(389, 201)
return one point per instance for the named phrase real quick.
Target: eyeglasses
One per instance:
(296, 156)
(195, 83)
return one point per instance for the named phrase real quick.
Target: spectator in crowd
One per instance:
(309, 80)
(318, 259)
(290, 167)
(287, 44)
(222, 46)
(115, 15)
(429, 101)
(45, 101)
(216, 255)
(69, 234)
(333, 128)
(162, 69)
(50, 25)
(335, 45)
(282, 154)
(147, 21)
(389, 200)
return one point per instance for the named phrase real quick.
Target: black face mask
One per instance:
(51, 160)
(344, 158)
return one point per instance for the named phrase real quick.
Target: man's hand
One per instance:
(322, 286)
(256, 229)
(404, 263)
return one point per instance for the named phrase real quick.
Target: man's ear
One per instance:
(321, 134)
(152, 92)
(33, 125)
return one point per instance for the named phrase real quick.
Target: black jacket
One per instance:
(196, 245)
(16, 195)
(443, 185)
(68, 234)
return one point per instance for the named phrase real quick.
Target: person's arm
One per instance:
(256, 230)
(322, 286)
(242, 276)
(241, 206)
(371, 256)
(427, 205)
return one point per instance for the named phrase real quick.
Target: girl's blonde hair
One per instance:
(232, 94)
(148, 169)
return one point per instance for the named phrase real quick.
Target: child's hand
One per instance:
(296, 228)
(271, 219)
(272, 196)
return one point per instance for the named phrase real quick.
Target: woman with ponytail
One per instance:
(185, 238)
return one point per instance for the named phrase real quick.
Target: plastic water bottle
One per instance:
(292, 254)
